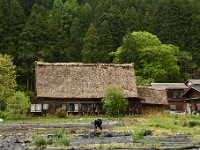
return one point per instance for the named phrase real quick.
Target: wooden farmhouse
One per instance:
(192, 96)
(174, 93)
(78, 88)
(155, 99)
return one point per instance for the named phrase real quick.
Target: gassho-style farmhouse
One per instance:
(78, 88)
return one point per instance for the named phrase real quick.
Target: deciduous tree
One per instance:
(7, 79)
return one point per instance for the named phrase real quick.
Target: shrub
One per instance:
(60, 113)
(193, 123)
(3, 115)
(137, 135)
(64, 140)
(60, 132)
(114, 101)
(40, 141)
(19, 103)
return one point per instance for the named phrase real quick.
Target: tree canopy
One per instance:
(153, 61)
(7, 79)
(88, 31)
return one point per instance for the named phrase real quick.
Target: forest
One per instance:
(103, 31)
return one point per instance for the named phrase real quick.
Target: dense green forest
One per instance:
(91, 30)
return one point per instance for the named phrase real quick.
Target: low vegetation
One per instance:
(160, 125)
(59, 139)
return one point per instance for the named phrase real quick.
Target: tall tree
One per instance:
(195, 39)
(172, 22)
(105, 42)
(131, 20)
(16, 25)
(32, 40)
(4, 17)
(115, 20)
(153, 61)
(56, 49)
(7, 79)
(85, 15)
(90, 46)
(69, 13)
(76, 40)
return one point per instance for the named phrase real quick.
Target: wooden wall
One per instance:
(148, 109)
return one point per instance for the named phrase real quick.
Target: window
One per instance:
(73, 107)
(70, 107)
(99, 107)
(45, 106)
(76, 108)
(64, 107)
(86, 107)
(36, 107)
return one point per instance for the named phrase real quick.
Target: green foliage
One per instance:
(19, 103)
(7, 79)
(53, 31)
(60, 132)
(40, 141)
(193, 123)
(137, 135)
(147, 53)
(60, 139)
(114, 101)
(61, 113)
(90, 46)
(13, 117)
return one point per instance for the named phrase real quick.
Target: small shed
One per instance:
(155, 99)
(78, 88)
(192, 99)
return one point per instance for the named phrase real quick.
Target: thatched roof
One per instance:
(78, 80)
(153, 95)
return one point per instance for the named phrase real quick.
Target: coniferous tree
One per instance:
(170, 24)
(16, 25)
(105, 42)
(76, 40)
(69, 13)
(56, 49)
(85, 16)
(32, 41)
(90, 46)
(131, 20)
(115, 21)
(4, 17)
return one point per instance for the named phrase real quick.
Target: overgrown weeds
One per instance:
(59, 139)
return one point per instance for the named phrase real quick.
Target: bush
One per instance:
(60, 113)
(60, 132)
(19, 103)
(64, 140)
(3, 115)
(137, 135)
(193, 123)
(114, 101)
(40, 141)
